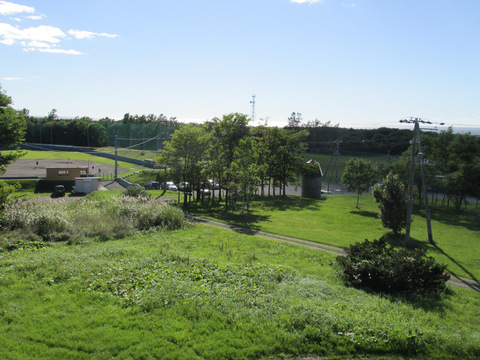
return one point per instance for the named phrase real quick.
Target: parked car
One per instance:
(169, 186)
(213, 185)
(59, 190)
(152, 185)
(183, 186)
(205, 192)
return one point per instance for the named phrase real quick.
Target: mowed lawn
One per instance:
(336, 221)
(206, 293)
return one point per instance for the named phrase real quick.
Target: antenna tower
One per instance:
(253, 108)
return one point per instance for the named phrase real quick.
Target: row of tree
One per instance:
(322, 136)
(135, 129)
(239, 158)
(451, 164)
(83, 131)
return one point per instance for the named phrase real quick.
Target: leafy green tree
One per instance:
(226, 134)
(245, 169)
(267, 140)
(12, 129)
(282, 153)
(359, 175)
(392, 201)
(456, 158)
(289, 156)
(186, 152)
(294, 120)
(12, 132)
(5, 190)
(260, 134)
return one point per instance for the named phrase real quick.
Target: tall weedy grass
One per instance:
(104, 219)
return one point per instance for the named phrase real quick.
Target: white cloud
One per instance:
(108, 35)
(7, 41)
(8, 8)
(37, 44)
(43, 38)
(54, 51)
(306, 1)
(81, 34)
(35, 17)
(11, 78)
(42, 33)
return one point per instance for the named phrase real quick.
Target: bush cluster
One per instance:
(376, 266)
(136, 191)
(103, 219)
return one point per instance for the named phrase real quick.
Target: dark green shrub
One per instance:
(374, 265)
(156, 215)
(5, 190)
(392, 201)
(51, 227)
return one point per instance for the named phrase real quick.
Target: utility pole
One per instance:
(416, 140)
(410, 186)
(337, 156)
(116, 162)
(425, 191)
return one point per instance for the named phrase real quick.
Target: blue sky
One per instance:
(359, 63)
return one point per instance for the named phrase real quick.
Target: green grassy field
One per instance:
(129, 153)
(206, 293)
(325, 160)
(336, 221)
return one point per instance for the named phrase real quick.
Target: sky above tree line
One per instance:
(358, 63)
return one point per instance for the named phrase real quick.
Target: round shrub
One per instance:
(51, 227)
(137, 191)
(376, 266)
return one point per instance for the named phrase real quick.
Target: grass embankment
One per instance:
(205, 293)
(336, 221)
(130, 153)
(145, 176)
